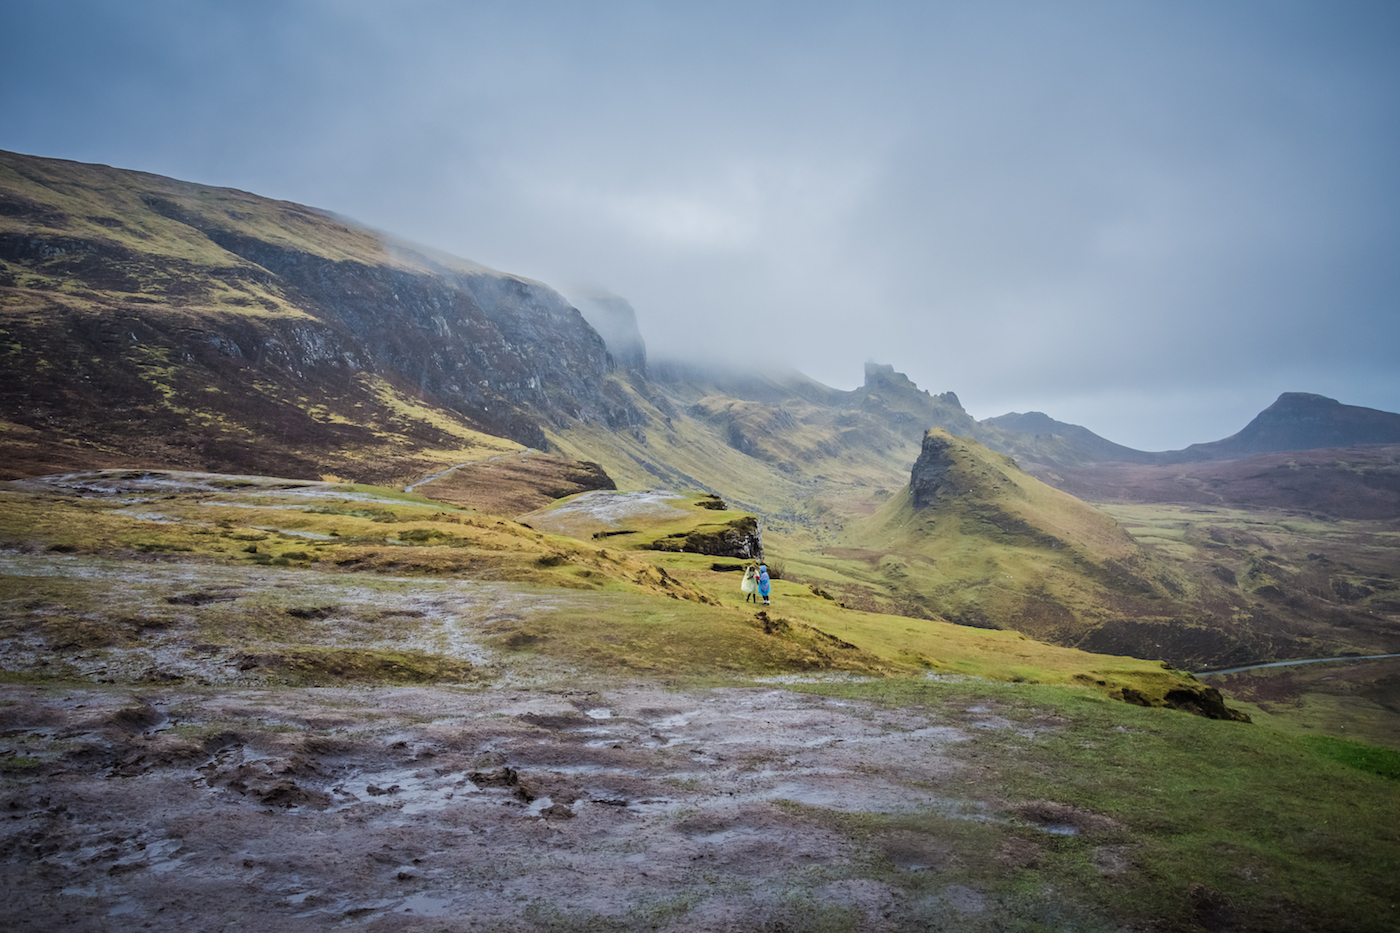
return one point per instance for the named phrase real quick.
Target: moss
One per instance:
(1384, 762)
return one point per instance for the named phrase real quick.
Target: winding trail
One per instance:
(1252, 667)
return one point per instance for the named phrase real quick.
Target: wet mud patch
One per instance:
(308, 808)
(78, 617)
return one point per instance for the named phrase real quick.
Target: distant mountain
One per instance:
(1299, 421)
(1084, 443)
(1296, 421)
(1356, 482)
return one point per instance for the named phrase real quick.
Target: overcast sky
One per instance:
(1149, 218)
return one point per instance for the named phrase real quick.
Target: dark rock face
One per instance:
(932, 476)
(894, 398)
(496, 348)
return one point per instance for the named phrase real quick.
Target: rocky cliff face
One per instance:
(497, 348)
(933, 475)
(894, 398)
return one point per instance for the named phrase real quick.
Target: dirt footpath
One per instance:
(457, 809)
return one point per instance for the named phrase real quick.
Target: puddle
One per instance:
(313, 535)
(831, 678)
(409, 790)
(154, 517)
(424, 905)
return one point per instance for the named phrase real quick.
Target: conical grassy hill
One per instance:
(976, 540)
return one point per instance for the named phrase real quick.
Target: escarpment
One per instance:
(209, 327)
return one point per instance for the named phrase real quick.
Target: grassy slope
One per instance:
(1008, 551)
(1001, 549)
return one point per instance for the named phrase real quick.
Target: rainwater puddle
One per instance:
(727, 836)
(652, 806)
(599, 713)
(833, 678)
(423, 905)
(678, 721)
(594, 769)
(842, 798)
(410, 790)
(153, 517)
(313, 535)
(1058, 829)
(846, 797)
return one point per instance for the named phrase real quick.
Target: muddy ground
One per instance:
(444, 808)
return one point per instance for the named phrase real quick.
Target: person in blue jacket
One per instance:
(763, 583)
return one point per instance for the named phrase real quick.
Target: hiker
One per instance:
(763, 584)
(750, 584)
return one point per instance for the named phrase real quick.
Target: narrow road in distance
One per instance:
(1253, 667)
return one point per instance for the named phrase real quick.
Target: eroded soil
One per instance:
(631, 807)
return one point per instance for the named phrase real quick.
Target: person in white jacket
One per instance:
(750, 584)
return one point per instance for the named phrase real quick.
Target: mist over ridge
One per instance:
(1151, 221)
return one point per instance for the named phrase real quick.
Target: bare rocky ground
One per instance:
(441, 808)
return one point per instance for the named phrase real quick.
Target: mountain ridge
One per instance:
(1294, 421)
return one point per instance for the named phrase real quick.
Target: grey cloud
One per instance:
(1148, 218)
